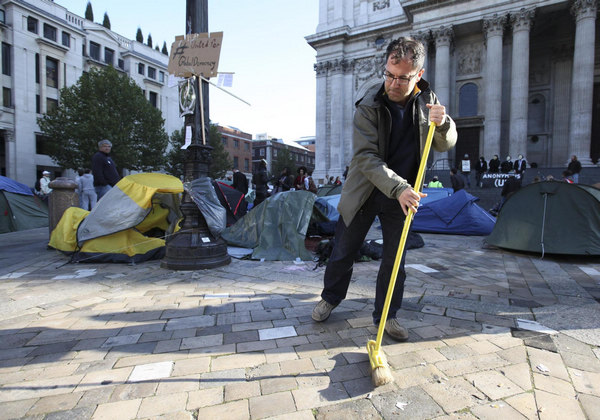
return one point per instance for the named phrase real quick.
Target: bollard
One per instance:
(62, 197)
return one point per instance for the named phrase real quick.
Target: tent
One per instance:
(124, 225)
(329, 189)
(276, 228)
(233, 201)
(20, 209)
(550, 217)
(456, 214)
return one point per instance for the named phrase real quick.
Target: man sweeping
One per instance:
(390, 128)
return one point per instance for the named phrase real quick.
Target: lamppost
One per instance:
(194, 247)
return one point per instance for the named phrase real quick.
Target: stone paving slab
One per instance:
(118, 341)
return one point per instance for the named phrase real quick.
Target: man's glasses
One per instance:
(401, 80)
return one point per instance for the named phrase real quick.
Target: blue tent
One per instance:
(456, 214)
(20, 209)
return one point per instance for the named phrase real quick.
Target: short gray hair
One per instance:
(103, 142)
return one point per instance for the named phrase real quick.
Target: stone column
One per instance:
(321, 142)
(336, 151)
(580, 132)
(519, 82)
(348, 114)
(10, 150)
(493, 29)
(43, 87)
(562, 59)
(443, 39)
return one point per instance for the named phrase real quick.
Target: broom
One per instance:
(381, 373)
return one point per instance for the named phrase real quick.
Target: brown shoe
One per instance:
(395, 330)
(322, 310)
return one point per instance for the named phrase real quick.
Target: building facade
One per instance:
(239, 146)
(45, 48)
(267, 148)
(519, 77)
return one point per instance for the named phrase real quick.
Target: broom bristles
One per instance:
(381, 373)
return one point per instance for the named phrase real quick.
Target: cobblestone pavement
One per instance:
(116, 341)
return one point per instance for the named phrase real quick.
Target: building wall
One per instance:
(504, 71)
(239, 146)
(18, 122)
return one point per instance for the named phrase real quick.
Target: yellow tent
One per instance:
(124, 225)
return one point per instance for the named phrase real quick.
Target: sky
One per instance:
(263, 44)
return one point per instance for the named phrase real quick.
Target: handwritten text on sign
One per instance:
(196, 54)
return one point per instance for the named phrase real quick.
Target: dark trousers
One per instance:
(347, 243)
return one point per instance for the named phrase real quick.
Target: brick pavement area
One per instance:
(493, 334)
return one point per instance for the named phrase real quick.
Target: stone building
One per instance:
(519, 77)
(45, 47)
(269, 148)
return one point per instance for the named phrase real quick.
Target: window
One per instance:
(261, 152)
(49, 32)
(274, 152)
(246, 165)
(151, 72)
(6, 64)
(235, 162)
(236, 144)
(32, 24)
(109, 56)
(51, 72)
(51, 104)
(6, 97)
(246, 147)
(154, 99)
(161, 76)
(467, 100)
(121, 64)
(2, 16)
(37, 68)
(95, 51)
(141, 68)
(224, 140)
(37, 104)
(41, 147)
(66, 39)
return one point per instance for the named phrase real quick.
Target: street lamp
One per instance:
(194, 247)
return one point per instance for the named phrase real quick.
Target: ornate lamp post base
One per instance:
(193, 247)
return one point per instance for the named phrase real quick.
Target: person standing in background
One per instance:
(574, 167)
(104, 169)
(85, 184)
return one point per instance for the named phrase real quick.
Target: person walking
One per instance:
(480, 169)
(240, 182)
(85, 184)
(260, 180)
(575, 168)
(104, 169)
(457, 181)
(390, 128)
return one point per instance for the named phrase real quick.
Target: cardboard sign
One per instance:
(196, 54)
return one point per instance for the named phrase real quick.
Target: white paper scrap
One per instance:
(422, 268)
(526, 324)
(188, 137)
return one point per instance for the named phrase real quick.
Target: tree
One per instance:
(105, 104)
(284, 160)
(164, 48)
(106, 21)
(220, 163)
(89, 13)
(149, 41)
(156, 48)
(139, 37)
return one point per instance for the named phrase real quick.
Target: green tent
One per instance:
(276, 228)
(20, 209)
(550, 217)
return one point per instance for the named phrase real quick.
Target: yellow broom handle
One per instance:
(407, 222)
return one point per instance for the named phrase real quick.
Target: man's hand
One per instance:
(409, 199)
(437, 113)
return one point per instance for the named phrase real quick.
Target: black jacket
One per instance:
(104, 170)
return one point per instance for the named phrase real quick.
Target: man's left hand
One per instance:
(437, 113)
